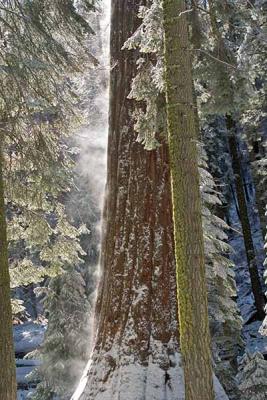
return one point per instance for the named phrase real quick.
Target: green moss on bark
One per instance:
(189, 244)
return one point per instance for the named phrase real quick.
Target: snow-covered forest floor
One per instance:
(27, 338)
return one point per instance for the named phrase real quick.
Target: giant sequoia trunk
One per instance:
(135, 356)
(136, 351)
(7, 358)
(189, 243)
(244, 219)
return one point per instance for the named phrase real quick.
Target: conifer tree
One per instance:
(244, 217)
(37, 53)
(8, 387)
(229, 77)
(252, 58)
(69, 298)
(189, 244)
(252, 377)
(65, 350)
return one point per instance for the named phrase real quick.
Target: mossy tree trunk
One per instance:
(244, 219)
(7, 358)
(189, 244)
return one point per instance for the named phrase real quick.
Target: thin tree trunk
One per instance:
(244, 219)
(8, 385)
(189, 244)
(136, 352)
(257, 153)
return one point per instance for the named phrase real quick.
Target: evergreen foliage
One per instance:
(40, 52)
(50, 80)
(69, 298)
(252, 377)
(253, 56)
(236, 77)
(225, 321)
(42, 43)
(65, 350)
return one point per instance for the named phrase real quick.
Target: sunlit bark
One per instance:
(183, 133)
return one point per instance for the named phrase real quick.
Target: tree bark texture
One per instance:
(244, 219)
(136, 355)
(257, 152)
(189, 243)
(8, 386)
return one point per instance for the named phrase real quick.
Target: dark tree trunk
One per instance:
(8, 385)
(244, 219)
(257, 153)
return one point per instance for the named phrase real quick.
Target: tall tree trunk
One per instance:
(189, 244)
(136, 353)
(257, 152)
(8, 385)
(244, 219)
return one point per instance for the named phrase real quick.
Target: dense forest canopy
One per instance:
(133, 200)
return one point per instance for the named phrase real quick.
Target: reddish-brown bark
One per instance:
(137, 209)
(136, 306)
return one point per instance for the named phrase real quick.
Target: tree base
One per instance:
(113, 376)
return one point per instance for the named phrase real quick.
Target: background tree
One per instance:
(251, 377)
(8, 386)
(69, 298)
(228, 86)
(253, 60)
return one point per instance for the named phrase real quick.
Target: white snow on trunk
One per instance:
(130, 380)
(82, 384)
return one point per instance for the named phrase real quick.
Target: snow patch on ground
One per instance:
(28, 337)
(23, 394)
(255, 342)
